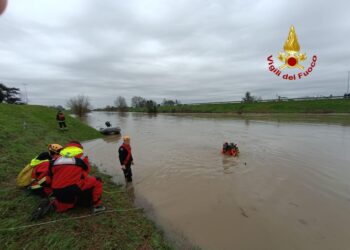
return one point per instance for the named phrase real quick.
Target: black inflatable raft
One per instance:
(110, 130)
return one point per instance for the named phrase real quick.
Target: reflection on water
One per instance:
(289, 189)
(112, 138)
(130, 190)
(228, 163)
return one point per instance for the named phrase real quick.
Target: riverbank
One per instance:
(309, 106)
(25, 132)
(313, 118)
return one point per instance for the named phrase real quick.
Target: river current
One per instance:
(288, 189)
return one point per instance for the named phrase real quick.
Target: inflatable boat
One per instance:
(110, 130)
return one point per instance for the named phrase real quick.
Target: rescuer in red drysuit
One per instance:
(70, 181)
(125, 158)
(230, 149)
(41, 164)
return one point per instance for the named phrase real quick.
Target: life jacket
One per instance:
(24, 178)
(127, 147)
(65, 172)
(75, 150)
(60, 117)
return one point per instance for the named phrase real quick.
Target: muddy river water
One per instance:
(289, 188)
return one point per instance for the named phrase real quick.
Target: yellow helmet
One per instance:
(126, 138)
(56, 148)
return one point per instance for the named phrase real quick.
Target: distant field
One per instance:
(310, 106)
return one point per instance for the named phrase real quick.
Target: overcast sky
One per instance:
(191, 50)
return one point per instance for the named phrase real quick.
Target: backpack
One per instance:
(24, 177)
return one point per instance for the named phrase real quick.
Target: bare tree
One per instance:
(138, 102)
(120, 103)
(79, 105)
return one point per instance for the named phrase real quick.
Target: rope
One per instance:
(72, 218)
(113, 192)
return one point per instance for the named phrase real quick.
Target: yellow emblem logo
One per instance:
(291, 58)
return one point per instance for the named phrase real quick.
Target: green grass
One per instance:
(18, 145)
(312, 106)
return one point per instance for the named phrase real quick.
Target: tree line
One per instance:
(137, 103)
(80, 105)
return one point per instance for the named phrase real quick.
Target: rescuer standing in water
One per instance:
(125, 158)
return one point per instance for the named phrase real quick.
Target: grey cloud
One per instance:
(189, 50)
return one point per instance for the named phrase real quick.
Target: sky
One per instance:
(190, 50)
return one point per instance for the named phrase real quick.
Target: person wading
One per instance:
(125, 158)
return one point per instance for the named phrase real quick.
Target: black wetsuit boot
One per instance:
(128, 173)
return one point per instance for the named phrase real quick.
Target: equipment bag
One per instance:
(24, 177)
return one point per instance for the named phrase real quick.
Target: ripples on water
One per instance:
(289, 189)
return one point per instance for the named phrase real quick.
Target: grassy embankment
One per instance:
(312, 106)
(18, 145)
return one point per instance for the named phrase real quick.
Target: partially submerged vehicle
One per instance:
(110, 130)
(230, 149)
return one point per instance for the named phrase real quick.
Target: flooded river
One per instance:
(289, 189)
